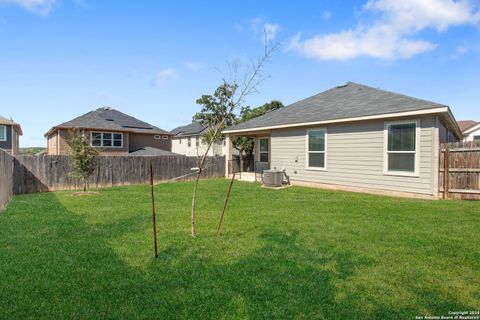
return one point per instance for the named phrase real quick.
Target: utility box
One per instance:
(272, 178)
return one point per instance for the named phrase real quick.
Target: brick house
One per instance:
(111, 131)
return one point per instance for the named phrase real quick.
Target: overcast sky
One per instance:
(153, 59)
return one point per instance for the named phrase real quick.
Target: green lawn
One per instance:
(292, 253)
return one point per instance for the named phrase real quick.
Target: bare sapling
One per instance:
(219, 109)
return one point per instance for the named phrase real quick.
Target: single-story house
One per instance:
(470, 130)
(10, 133)
(355, 137)
(111, 131)
(187, 140)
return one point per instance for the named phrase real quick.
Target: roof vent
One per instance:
(342, 86)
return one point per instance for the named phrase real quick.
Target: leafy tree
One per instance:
(215, 112)
(82, 156)
(245, 144)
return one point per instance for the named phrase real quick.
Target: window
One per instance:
(165, 137)
(401, 151)
(189, 142)
(197, 141)
(224, 142)
(157, 137)
(3, 133)
(263, 150)
(316, 146)
(180, 141)
(107, 139)
(476, 139)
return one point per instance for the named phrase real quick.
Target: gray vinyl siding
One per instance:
(7, 145)
(355, 157)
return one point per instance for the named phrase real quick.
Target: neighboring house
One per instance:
(111, 131)
(470, 130)
(10, 133)
(355, 137)
(187, 140)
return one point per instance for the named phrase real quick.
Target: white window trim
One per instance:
(269, 154)
(101, 140)
(416, 173)
(157, 137)
(4, 132)
(307, 164)
(189, 142)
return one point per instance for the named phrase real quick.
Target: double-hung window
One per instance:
(263, 150)
(189, 141)
(476, 139)
(402, 147)
(3, 133)
(107, 139)
(316, 148)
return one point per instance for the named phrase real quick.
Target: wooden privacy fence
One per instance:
(460, 170)
(6, 178)
(49, 173)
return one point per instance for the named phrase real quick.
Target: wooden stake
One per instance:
(153, 212)
(225, 205)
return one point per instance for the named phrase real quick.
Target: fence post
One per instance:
(446, 173)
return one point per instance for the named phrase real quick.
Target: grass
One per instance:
(293, 253)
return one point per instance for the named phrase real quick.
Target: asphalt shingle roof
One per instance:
(8, 122)
(111, 119)
(150, 151)
(466, 124)
(194, 128)
(348, 101)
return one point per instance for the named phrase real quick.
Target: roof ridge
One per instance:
(396, 93)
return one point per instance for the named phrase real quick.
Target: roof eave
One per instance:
(49, 132)
(442, 109)
(472, 128)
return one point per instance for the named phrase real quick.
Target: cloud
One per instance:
(271, 30)
(163, 75)
(40, 7)
(390, 34)
(195, 67)
(262, 29)
(326, 15)
(460, 51)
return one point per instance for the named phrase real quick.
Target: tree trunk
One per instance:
(84, 184)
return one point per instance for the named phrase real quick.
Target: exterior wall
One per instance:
(445, 133)
(58, 144)
(52, 144)
(7, 145)
(180, 146)
(15, 142)
(470, 135)
(138, 140)
(355, 154)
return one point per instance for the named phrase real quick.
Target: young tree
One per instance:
(218, 110)
(82, 156)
